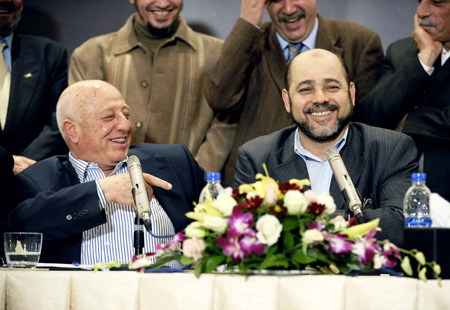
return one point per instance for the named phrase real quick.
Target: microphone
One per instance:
(344, 182)
(140, 194)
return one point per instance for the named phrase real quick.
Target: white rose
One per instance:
(225, 204)
(327, 200)
(195, 230)
(312, 236)
(216, 224)
(295, 202)
(269, 229)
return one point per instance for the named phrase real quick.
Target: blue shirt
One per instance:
(319, 170)
(308, 43)
(113, 240)
(7, 50)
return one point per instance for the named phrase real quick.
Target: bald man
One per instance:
(320, 99)
(82, 201)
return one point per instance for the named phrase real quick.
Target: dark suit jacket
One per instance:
(249, 76)
(406, 89)
(56, 204)
(379, 162)
(38, 76)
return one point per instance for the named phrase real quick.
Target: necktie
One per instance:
(294, 50)
(5, 83)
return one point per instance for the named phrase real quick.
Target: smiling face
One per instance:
(10, 13)
(158, 14)
(293, 19)
(99, 129)
(319, 96)
(434, 17)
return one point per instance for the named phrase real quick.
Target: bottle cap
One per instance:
(418, 177)
(213, 176)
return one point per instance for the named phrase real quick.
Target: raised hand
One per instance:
(253, 11)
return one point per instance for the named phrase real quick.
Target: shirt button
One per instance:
(69, 217)
(139, 124)
(144, 84)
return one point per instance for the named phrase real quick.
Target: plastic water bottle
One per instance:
(416, 204)
(213, 186)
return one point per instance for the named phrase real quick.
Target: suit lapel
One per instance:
(327, 37)
(274, 58)
(24, 79)
(352, 156)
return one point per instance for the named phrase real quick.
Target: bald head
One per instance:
(315, 57)
(79, 99)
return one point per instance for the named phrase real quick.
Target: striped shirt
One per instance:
(113, 240)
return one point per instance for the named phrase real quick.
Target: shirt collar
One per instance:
(309, 42)
(81, 167)
(301, 151)
(444, 56)
(8, 40)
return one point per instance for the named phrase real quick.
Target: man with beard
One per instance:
(413, 94)
(158, 63)
(249, 74)
(33, 73)
(320, 98)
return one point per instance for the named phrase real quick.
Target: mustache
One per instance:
(426, 22)
(323, 106)
(293, 17)
(7, 7)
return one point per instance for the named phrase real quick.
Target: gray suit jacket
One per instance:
(379, 162)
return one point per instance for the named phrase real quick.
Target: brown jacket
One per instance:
(249, 75)
(166, 94)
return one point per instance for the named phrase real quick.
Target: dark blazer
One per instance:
(38, 76)
(249, 76)
(56, 204)
(406, 89)
(379, 162)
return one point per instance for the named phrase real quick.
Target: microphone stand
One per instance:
(138, 235)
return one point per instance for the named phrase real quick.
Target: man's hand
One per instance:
(253, 11)
(117, 188)
(429, 49)
(21, 163)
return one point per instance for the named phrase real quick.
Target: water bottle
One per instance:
(213, 186)
(416, 204)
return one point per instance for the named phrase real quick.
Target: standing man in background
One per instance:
(248, 78)
(158, 63)
(33, 73)
(413, 95)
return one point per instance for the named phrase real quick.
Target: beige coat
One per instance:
(166, 95)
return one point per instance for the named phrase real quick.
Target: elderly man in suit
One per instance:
(320, 98)
(248, 76)
(413, 95)
(82, 201)
(33, 73)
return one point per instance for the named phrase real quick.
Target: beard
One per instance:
(324, 134)
(7, 28)
(164, 32)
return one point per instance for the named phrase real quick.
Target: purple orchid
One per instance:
(392, 254)
(240, 223)
(250, 244)
(367, 247)
(231, 247)
(337, 244)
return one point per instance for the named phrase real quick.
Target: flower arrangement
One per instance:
(270, 225)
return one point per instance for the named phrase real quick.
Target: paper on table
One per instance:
(64, 266)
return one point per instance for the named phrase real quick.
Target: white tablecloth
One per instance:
(122, 290)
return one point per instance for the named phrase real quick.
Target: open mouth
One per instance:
(119, 140)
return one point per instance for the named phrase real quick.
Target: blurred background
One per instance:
(71, 22)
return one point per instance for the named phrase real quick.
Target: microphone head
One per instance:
(132, 160)
(331, 152)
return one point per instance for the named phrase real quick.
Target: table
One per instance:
(131, 290)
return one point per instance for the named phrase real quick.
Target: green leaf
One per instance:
(165, 259)
(288, 241)
(186, 260)
(277, 260)
(301, 258)
(289, 223)
(212, 263)
(272, 249)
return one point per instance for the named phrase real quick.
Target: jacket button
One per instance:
(144, 84)
(69, 217)
(85, 212)
(139, 124)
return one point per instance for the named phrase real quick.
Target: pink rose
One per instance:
(193, 248)
(310, 196)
